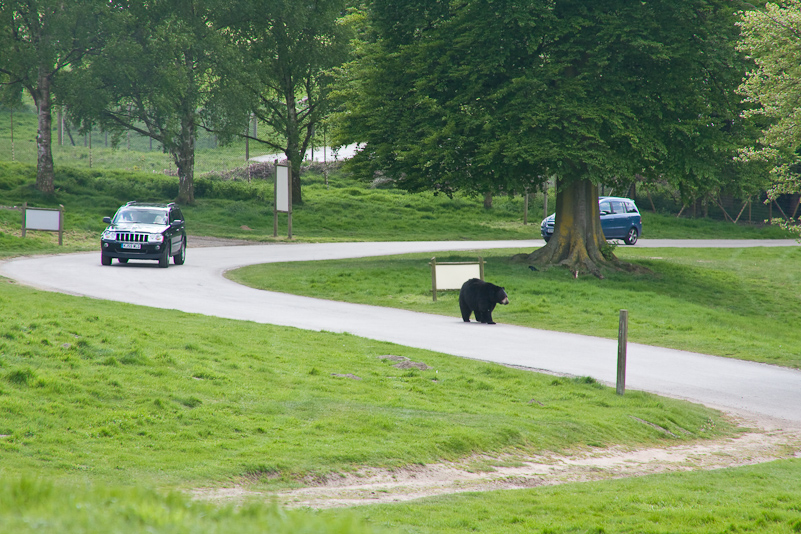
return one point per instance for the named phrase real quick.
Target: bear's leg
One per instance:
(488, 314)
(466, 311)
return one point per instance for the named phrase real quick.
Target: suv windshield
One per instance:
(143, 216)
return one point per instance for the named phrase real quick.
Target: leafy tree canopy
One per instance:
(772, 38)
(41, 41)
(497, 94)
(158, 75)
(288, 52)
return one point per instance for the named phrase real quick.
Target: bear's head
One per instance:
(501, 297)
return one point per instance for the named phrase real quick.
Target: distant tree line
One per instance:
(167, 68)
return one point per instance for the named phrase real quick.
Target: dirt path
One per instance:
(763, 441)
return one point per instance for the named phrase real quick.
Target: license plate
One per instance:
(135, 246)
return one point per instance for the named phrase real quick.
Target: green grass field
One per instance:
(764, 499)
(134, 152)
(34, 506)
(104, 413)
(117, 392)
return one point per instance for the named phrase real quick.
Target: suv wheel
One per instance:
(105, 260)
(631, 237)
(180, 258)
(164, 260)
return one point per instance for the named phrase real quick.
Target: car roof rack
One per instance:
(154, 204)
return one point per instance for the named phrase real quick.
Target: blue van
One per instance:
(620, 219)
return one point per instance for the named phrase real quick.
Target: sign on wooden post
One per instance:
(451, 275)
(283, 197)
(47, 219)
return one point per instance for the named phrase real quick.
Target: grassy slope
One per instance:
(144, 155)
(107, 391)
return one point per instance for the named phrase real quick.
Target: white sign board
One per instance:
(282, 188)
(453, 276)
(36, 219)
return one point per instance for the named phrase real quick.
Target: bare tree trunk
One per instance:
(487, 200)
(577, 239)
(293, 149)
(185, 160)
(44, 149)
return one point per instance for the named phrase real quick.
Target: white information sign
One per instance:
(453, 276)
(40, 219)
(49, 220)
(282, 188)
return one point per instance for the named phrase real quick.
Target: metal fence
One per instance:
(94, 150)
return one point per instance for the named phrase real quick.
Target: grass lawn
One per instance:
(740, 303)
(35, 506)
(764, 498)
(111, 392)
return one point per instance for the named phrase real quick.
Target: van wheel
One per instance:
(631, 237)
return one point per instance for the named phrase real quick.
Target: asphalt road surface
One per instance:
(199, 287)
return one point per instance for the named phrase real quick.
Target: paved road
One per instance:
(199, 287)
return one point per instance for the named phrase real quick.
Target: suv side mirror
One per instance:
(107, 220)
(177, 223)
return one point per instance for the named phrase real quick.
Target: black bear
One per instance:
(480, 297)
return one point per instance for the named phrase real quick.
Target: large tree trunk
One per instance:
(44, 149)
(185, 160)
(577, 240)
(294, 154)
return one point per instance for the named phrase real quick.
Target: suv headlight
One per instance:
(155, 238)
(109, 235)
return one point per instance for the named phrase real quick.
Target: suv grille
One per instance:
(131, 237)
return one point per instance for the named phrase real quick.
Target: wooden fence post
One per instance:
(60, 224)
(622, 340)
(434, 277)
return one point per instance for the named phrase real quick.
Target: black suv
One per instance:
(143, 231)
